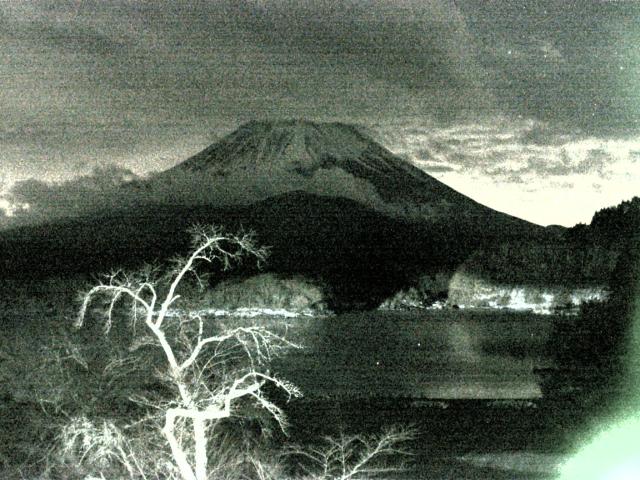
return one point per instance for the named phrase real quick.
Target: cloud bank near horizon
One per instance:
(112, 188)
(145, 84)
(527, 169)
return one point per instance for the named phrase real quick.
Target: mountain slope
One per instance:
(302, 147)
(333, 159)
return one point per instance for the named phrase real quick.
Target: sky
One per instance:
(530, 107)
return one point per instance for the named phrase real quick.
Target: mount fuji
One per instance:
(329, 201)
(265, 158)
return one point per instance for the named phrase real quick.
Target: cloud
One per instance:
(102, 27)
(112, 188)
(37, 201)
(506, 147)
(569, 63)
(86, 82)
(417, 43)
(562, 181)
(525, 50)
(523, 167)
(369, 59)
(542, 133)
(596, 161)
(144, 84)
(235, 57)
(114, 81)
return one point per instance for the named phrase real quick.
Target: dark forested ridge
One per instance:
(580, 255)
(363, 254)
(596, 352)
(611, 226)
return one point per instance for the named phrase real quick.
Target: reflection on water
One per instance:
(463, 345)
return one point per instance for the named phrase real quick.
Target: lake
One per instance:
(434, 354)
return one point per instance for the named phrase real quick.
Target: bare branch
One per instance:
(115, 291)
(266, 343)
(354, 456)
(207, 246)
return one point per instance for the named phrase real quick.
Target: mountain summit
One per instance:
(305, 148)
(300, 146)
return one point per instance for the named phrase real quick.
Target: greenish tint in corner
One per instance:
(613, 453)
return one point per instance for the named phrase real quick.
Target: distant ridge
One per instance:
(362, 254)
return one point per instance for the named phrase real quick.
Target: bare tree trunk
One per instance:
(178, 454)
(200, 437)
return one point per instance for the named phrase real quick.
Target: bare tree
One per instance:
(194, 352)
(351, 457)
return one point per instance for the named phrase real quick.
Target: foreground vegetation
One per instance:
(63, 407)
(138, 392)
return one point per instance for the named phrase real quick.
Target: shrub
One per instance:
(428, 289)
(354, 457)
(296, 294)
(108, 448)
